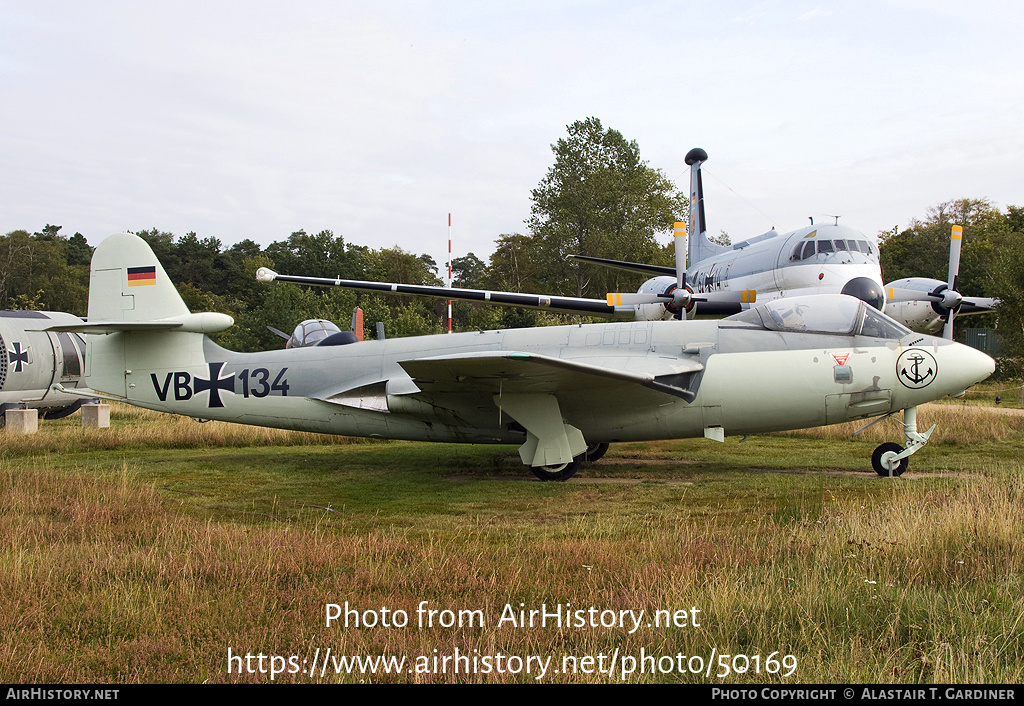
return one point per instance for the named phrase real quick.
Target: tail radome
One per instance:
(700, 246)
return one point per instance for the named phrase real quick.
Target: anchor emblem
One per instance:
(916, 368)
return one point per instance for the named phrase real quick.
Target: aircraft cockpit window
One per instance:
(854, 247)
(840, 245)
(747, 319)
(315, 335)
(808, 250)
(825, 247)
(877, 325)
(835, 314)
(797, 252)
(809, 316)
(310, 332)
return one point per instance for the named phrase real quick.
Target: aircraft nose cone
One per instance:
(968, 366)
(979, 364)
(867, 290)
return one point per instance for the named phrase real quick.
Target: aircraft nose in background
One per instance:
(867, 290)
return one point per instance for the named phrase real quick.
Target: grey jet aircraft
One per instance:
(562, 393)
(33, 361)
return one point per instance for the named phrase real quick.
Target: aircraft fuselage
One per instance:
(743, 380)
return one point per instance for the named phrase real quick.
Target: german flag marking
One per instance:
(141, 276)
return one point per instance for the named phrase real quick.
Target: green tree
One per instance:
(468, 271)
(78, 251)
(514, 265)
(34, 273)
(599, 199)
(319, 255)
(922, 248)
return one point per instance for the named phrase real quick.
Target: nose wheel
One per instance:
(885, 460)
(891, 460)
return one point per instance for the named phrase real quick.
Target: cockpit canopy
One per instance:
(835, 314)
(310, 332)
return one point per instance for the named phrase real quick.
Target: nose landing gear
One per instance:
(890, 460)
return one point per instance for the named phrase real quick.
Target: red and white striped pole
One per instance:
(449, 271)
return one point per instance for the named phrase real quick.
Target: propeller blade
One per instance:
(895, 294)
(632, 299)
(976, 305)
(733, 296)
(280, 333)
(951, 299)
(955, 243)
(680, 242)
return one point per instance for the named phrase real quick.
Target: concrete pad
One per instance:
(22, 421)
(96, 415)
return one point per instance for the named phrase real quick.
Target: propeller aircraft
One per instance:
(562, 392)
(723, 280)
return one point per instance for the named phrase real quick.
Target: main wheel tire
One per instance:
(558, 473)
(594, 452)
(62, 412)
(882, 457)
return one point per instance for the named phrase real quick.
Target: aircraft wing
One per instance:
(519, 373)
(564, 305)
(639, 267)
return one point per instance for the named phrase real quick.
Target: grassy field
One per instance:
(145, 552)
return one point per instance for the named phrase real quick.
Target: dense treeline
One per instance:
(991, 262)
(599, 198)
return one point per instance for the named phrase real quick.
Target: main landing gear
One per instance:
(566, 471)
(891, 460)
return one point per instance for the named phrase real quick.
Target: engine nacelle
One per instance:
(660, 311)
(921, 316)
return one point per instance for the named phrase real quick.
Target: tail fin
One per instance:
(129, 284)
(143, 321)
(700, 247)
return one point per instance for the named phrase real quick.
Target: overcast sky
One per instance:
(376, 119)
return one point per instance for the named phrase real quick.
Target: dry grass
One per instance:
(136, 428)
(109, 579)
(956, 422)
